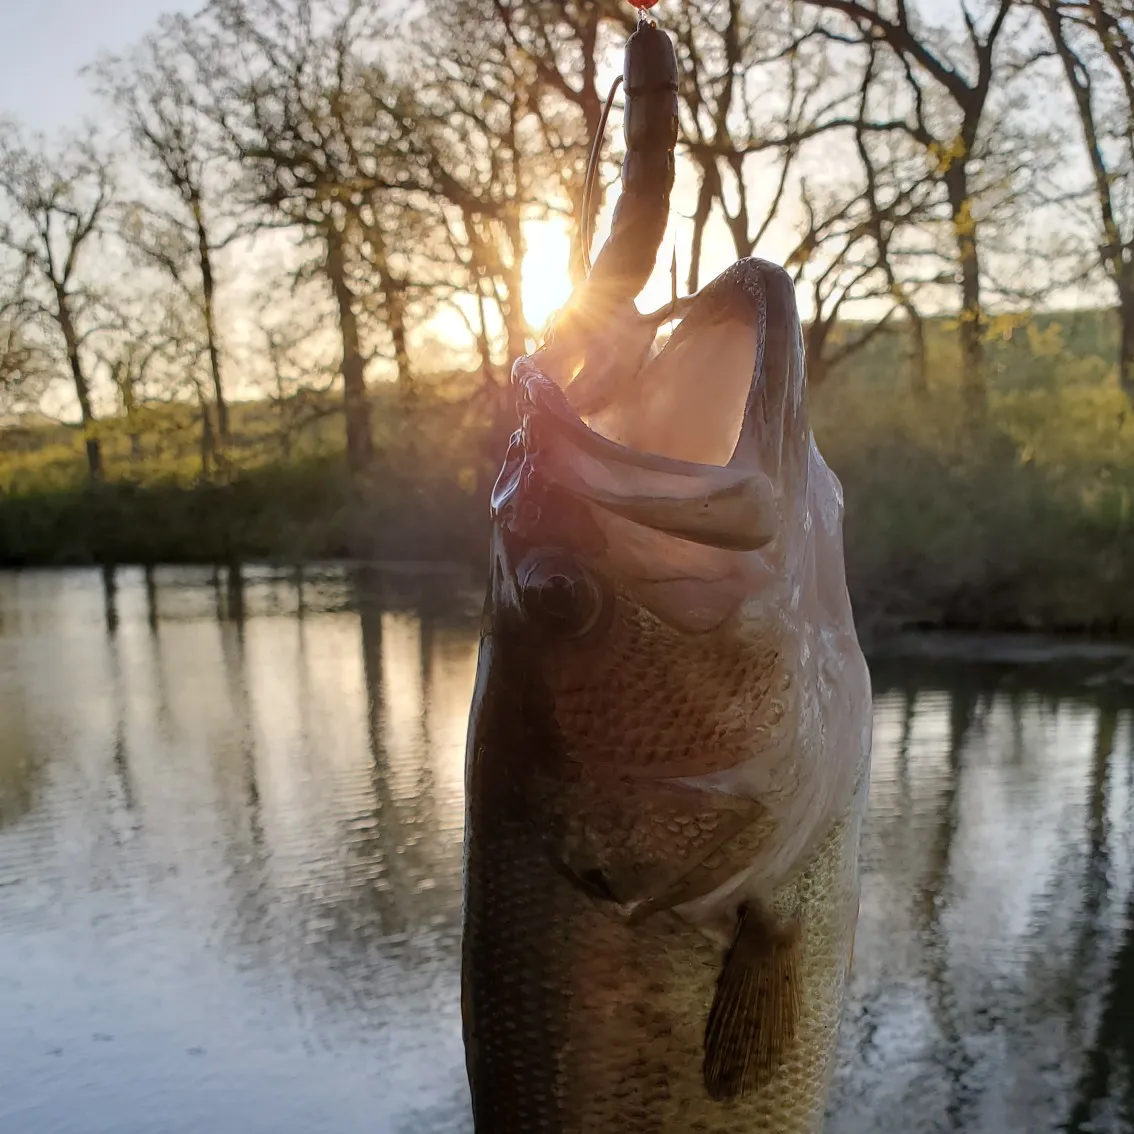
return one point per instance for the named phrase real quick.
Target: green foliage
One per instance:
(416, 504)
(1026, 524)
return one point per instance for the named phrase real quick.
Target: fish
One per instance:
(668, 752)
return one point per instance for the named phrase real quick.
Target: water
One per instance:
(230, 852)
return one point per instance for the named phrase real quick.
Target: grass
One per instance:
(1023, 524)
(425, 499)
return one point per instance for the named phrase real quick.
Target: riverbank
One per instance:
(1023, 524)
(930, 545)
(299, 513)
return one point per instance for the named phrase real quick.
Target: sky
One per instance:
(45, 43)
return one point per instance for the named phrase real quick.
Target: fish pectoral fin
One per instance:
(643, 848)
(757, 1007)
(591, 881)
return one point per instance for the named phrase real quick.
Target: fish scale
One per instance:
(624, 1007)
(657, 684)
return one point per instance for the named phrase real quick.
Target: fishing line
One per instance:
(592, 171)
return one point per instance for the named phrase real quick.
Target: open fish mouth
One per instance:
(707, 441)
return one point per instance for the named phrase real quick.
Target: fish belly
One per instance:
(578, 1022)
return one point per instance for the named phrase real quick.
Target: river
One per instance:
(230, 867)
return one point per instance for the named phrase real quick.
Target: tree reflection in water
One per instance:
(993, 988)
(1109, 1061)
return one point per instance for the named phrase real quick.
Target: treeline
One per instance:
(381, 168)
(1029, 528)
(282, 276)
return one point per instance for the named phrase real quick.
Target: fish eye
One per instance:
(558, 595)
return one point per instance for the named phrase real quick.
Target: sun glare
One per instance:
(547, 279)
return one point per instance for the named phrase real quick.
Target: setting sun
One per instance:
(547, 262)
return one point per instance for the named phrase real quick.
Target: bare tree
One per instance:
(292, 87)
(753, 94)
(947, 93)
(861, 242)
(178, 371)
(152, 89)
(469, 120)
(280, 346)
(1094, 42)
(25, 368)
(894, 201)
(841, 263)
(53, 205)
(385, 231)
(130, 346)
(301, 375)
(26, 365)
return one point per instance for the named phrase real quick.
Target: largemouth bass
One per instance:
(669, 744)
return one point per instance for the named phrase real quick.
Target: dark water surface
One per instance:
(230, 856)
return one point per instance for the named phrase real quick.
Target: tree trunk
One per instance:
(973, 391)
(815, 338)
(125, 381)
(512, 311)
(482, 342)
(208, 290)
(275, 354)
(285, 423)
(356, 405)
(516, 328)
(208, 442)
(82, 389)
(590, 102)
(700, 220)
(514, 321)
(394, 298)
(396, 321)
(738, 222)
(394, 292)
(919, 353)
(1126, 341)
(132, 419)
